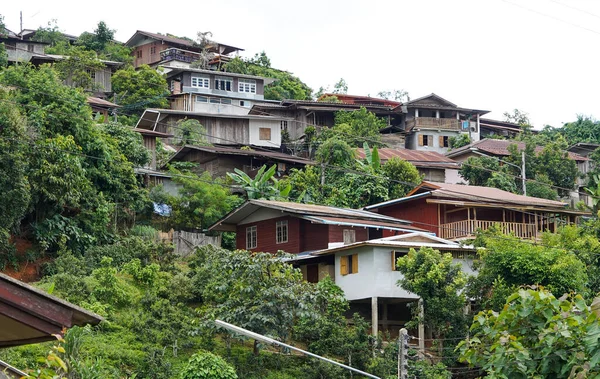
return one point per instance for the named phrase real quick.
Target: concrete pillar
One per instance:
(374, 319)
(421, 327)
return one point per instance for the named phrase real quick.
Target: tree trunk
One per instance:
(255, 350)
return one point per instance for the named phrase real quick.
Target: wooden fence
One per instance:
(186, 242)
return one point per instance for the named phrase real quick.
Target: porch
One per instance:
(463, 222)
(438, 123)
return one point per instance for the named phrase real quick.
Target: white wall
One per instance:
(274, 125)
(453, 177)
(375, 277)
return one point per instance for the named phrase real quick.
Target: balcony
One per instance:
(468, 228)
(435, 123)
(179, 55)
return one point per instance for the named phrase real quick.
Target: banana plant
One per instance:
(593, 189)
(264, 185)
(372, 160)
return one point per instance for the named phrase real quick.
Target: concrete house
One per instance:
(208, 91)
(366, 272)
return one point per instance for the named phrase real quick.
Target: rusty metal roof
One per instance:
(275, 155)
(30, 315)
(333, 214)
(424, 159)
(101, 102)
(499, 147)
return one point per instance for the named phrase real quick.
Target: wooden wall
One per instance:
(266, 236)
(423, 214)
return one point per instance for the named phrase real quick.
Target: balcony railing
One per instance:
(179, 54)
(467, 228)
(434, 123)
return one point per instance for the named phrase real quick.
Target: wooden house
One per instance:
(454, 211)
(219, 160)
(209, 91)
(432, 120)
(155, 49)
(270, 226)
(432, 165)
(366, 272)
(222, 129)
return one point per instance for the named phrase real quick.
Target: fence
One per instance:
(186, 242)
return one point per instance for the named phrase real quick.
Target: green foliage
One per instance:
(356, 127)
(286, 85)
(264, 185)
(206, 365)
(536, 335)
(439, 282)
(541, 188)
(460, 140)
(478, 170)
(102, 42)
(128, 141)
(329, 99)
(137, 90)
(502, 181)
(518, 117)
(510, 262)
(403, 177)
(190, 132)
(341, 87)
(396, 95)
(76, 69)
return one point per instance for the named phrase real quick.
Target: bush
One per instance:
(206, 365)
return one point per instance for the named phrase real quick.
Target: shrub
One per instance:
(206, 365)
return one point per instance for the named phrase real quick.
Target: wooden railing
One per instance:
(434, 123)
(466, 228)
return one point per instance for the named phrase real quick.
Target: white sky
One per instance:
(535, 55)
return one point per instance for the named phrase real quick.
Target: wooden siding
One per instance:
(423, 214)
(147, 57)
(150, 145)
(336, 233)
(266, 236)
(314, 236)
(223, 131)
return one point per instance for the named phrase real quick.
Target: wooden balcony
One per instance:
(434, 123)
(468, 228)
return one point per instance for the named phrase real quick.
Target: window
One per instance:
(200, 82)
(242, 103)
(201, 99)
(395, 256)
(284, 125)
(444, 141)
(281, 231)
(349, 264)
(172, 86)
(152, 49)
(138, 53)
(349, 236)
(251, 237)
(223, 84)
(425, 140)
(225, 101)
(215, 100)
(247, 85)
(264, 134)
(30, 48)
(91, 73)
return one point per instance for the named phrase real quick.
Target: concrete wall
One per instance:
(254, 133)
(453, 177)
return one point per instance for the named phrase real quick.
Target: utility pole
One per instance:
(523, 172)
(403, 354)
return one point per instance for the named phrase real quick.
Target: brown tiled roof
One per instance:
(418, 158)
(499, 147)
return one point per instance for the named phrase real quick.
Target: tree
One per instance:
(137, 90)
(190, 132)
(403, 177)
(206, 365)
(76, 69)
(355, 127)
(56, 40)
(460, 140)
(341, 87)
(98, 40)
(541, 187)
(285, 86)
(507, 263)
(264, 185)
(396, 95)
(3, 53)
(536, 335)
(517, 117)
(202, 200)
(478, 170)
(439, 283)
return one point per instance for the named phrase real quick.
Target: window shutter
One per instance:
(441, 140)
(355, 263)
(420, 140)
(344, 265)
(264, 134)
(393, 260)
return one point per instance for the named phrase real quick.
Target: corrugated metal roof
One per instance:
(500, 147)
(233, 151)
(416, 157)
(361, 223)
(101, 102)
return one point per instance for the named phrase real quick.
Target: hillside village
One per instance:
(153, 186)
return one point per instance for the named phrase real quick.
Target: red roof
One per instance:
(361, 100)
(499, 147)
(426, 159)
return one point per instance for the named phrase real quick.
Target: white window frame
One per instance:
(251, 237)
(247, 85)
(200, 81)
(281, 231)
(220, 80)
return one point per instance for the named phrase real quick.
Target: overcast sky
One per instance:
(536, 55)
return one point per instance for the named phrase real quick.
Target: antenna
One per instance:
(21, 17)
